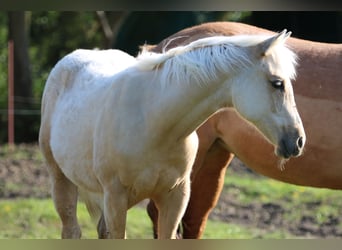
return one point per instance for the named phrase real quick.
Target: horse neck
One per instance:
(183, 107)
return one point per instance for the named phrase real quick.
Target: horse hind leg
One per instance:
(64, 194)
(206, 187)
(153, 213)
(101, 224)
(101, 228)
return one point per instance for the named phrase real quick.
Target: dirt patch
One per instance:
(270, 217)
(23, 175)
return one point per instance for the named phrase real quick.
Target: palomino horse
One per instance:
(118, 136)
(318, 92)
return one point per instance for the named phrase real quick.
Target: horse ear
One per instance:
(269, 43)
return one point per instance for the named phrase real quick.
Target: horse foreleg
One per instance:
(171, 209)
(115, 210)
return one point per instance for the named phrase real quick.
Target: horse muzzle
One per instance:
(290, 146)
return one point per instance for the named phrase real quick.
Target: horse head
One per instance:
(263, 95)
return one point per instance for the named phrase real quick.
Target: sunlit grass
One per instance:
(37, 218)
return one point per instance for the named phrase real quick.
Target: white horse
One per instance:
(117, 130)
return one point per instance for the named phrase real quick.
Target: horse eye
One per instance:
(278, 84)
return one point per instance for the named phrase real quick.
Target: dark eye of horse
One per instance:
(278, 84)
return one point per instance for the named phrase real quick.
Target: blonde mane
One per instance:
(207, 58)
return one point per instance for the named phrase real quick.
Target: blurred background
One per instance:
(250, 206)
(41, 38)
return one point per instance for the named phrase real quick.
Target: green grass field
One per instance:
(37, 219)
(295, 208)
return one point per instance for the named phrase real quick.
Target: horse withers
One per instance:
(116, 129)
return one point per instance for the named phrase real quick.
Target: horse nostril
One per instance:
(300, 142)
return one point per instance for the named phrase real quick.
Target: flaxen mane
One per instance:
(214, 55)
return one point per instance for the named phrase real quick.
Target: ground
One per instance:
(270, 216)
(23, 174)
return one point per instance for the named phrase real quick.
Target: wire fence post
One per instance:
(10, 93)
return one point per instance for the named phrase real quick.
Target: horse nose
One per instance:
(291, 147)
(297, 151)
(300, 142)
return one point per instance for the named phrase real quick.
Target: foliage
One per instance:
(52, 35)
(66, 31)
(3, 73)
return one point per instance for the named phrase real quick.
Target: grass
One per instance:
(36, 218)
(323, 203)
(21, 151)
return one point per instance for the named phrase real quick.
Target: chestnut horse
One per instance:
(116, 129)
(318, 93)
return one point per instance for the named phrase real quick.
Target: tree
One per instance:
(110, 23)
